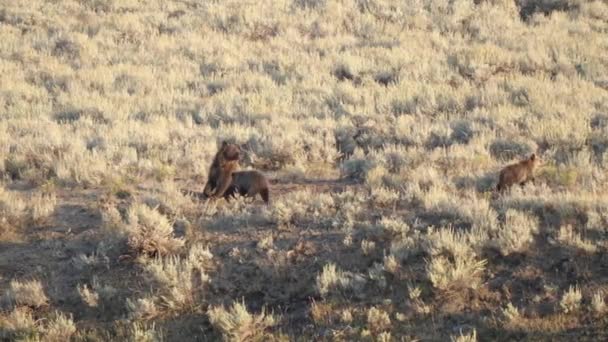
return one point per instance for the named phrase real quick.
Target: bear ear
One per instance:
(533, 156)
(224, 143)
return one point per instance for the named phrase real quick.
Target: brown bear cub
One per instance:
(249, 183)
(225, 162)
(519, 173)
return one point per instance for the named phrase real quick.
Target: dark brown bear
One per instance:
(249, 183)
(518, 173)
(225, 162)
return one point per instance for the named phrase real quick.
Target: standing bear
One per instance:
(225, 162)
(225, 179)
(518, 173)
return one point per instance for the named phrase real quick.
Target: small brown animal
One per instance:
(225, 162)
(249, 183)
(519, 173)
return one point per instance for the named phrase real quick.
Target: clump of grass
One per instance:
(180, 280)
(13, 208)
(89, 296)
(453, 263)
(331, 278)
(463, 272)
(504, 149)
(598, 304)
(18, 210)
(60, 328)
(569, 237)
(140, 332)
(394, 226)
(19, 324)
(142, 308)
(470, 337)
(25, 293)
(83, 261)
(384, 197)
(511, 313)
(150, 232)
(367, 247)
(414, 294)
(322, 313)
(238, 324)
(404, 247)
(378, 320)
(41, 206)
(391, 264)
(559, 176)
(516, 233)
(358, 165)
(571, 300)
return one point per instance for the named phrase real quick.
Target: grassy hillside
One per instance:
(382, 125)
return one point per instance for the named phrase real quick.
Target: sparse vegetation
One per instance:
(381, 126)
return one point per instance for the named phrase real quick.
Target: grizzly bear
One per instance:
(249, 183)
(518, 173)
(225, 162)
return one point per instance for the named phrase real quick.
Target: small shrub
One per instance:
(378, 320)
(368, 246)
(471, 337)
(384, 336)
(237, 324)
(59, 329)
(332, 278)
(88, 296)
(516, 233)
(142, 308)
(358, 165)
(180, 280)
(414, 293)
(569, 237)
(598, 304)
(405, 247)
(143, 333)
(83, 261)
(41, 206)
(346, 316)
(439, 241)
(463, 272)
(391, 264)
(151, 233)
(505, 150)
(19, 324)
(309, 4)
(511, 313)
(384, 197)
(559, 175)
(571, 300)
(28, 293)
(394, 226)
(13, 208)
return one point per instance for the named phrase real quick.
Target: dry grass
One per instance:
(28, 293)
(382, 126)
(238, 324)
